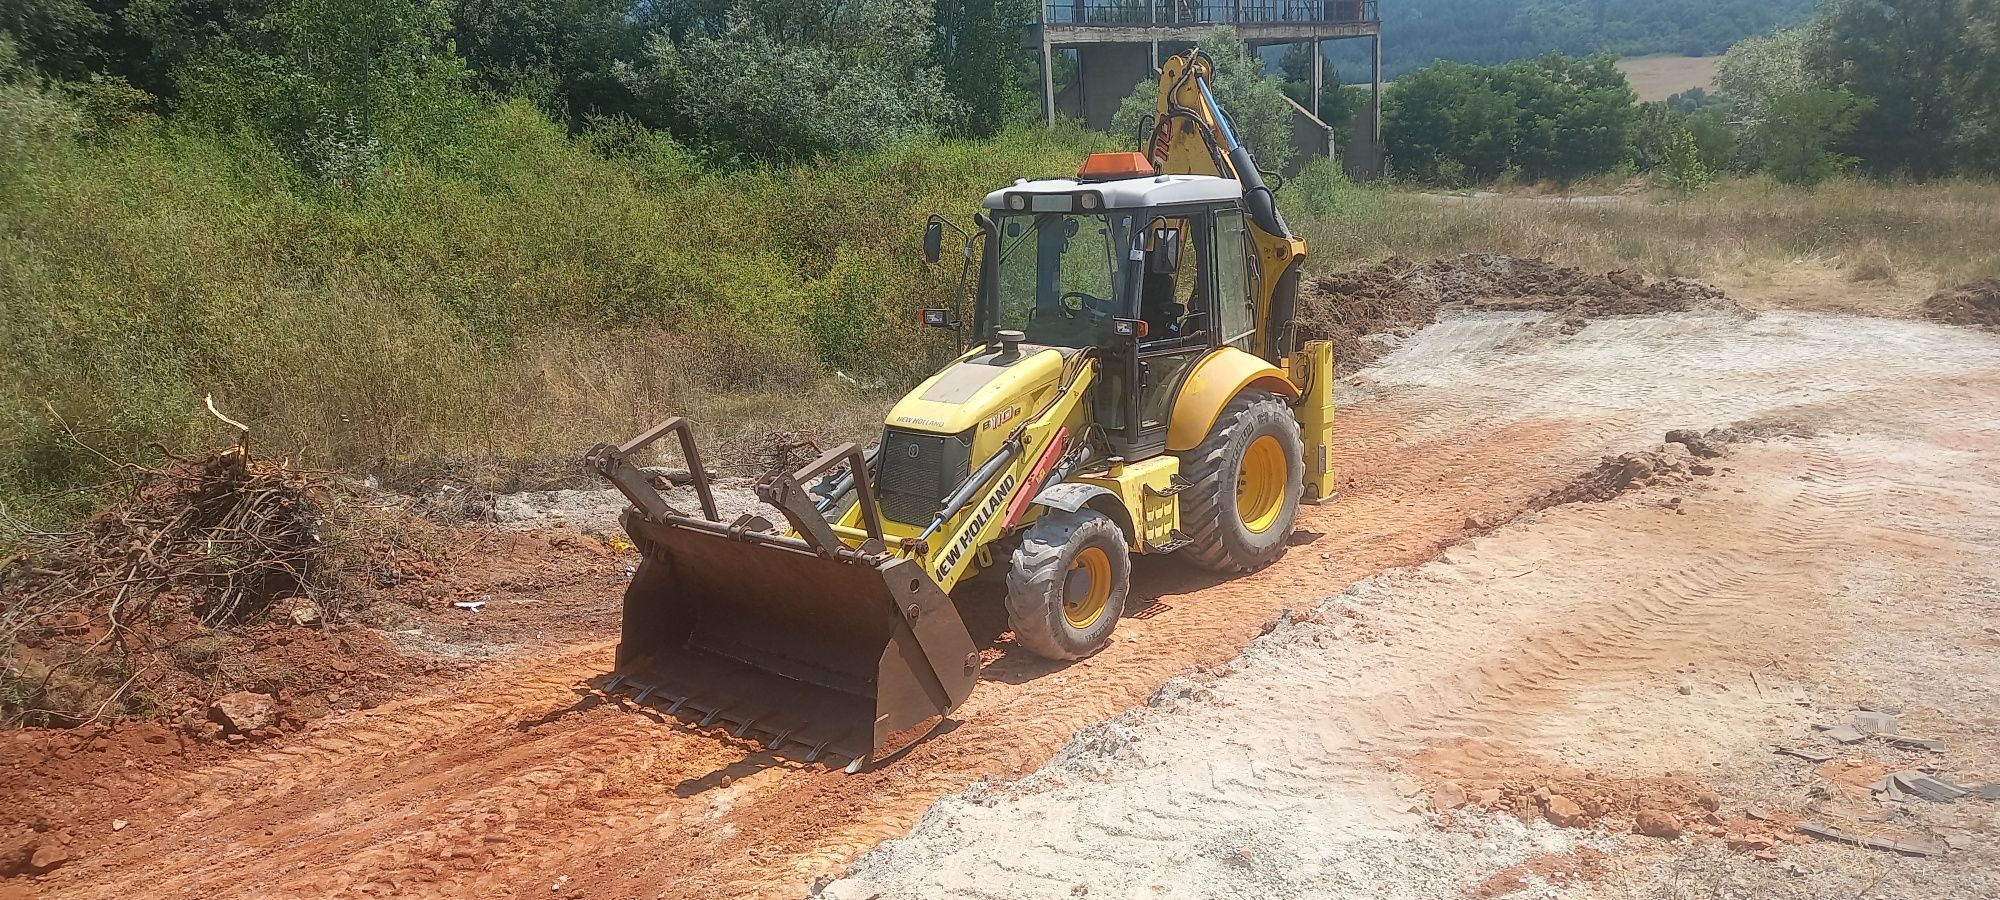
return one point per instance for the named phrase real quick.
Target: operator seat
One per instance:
(1159, 309)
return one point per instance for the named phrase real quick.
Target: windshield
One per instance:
(1061, 278)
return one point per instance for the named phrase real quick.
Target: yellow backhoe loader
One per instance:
(1132, 388)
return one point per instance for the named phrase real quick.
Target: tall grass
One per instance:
(528, 293)
(523, 297)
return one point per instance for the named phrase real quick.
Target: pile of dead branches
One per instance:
(209, 541)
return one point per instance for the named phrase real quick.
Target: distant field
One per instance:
(1660, 77)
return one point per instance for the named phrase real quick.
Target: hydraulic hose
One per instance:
(1257, 197)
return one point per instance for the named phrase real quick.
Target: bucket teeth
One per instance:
(775, 731)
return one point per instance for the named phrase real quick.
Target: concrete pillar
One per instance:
(1153, 40)
(1048, 80)
(1364, 149)
(1375, 91)
(1319, 73)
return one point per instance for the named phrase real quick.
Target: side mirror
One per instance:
(933, 241)
(1165, 258)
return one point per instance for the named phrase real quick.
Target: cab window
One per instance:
(1235, 307)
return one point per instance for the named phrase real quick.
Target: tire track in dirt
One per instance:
(1687, 613)
(400, 796)
(503, 786)
(1394, 515)
(449, 796)
(1472, 406)
(1196, 803)
(1727, 595)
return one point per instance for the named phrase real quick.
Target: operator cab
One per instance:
(1151, 271)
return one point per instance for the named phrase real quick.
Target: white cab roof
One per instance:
(1131, 193)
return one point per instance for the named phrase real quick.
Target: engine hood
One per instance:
(985, 389)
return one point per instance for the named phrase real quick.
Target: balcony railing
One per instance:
(1208, 12)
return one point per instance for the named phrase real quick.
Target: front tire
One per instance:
(1246, 478)
(1068, 583)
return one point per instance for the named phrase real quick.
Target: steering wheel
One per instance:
(1085, 303)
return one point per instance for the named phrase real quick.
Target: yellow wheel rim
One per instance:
(1260, 486)
(1087, 590)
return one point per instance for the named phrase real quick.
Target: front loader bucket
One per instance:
(845, 654)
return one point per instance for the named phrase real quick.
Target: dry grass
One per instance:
(1920, 235)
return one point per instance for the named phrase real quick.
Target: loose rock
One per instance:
(1696, 442)
(48, 854)
(1654, 823)
(1447, 795)
(1564, 812)
(245, 711)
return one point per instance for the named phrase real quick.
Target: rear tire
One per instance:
(1246, 477)
(1068, 583)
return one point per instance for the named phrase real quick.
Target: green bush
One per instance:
(1554, 117)
(755, 89)
(1796, 139)
(521, 294)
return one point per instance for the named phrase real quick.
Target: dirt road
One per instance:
(515, 783)
(1640, 655)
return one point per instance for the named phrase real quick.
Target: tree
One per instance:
(1576, 114)
(985, 69)
(562, 54)
(57, 36)
(1255, 104)
(1553, 117)
(334, 83)
(776, 84)
(1682, 168)
(1757, 70)
(1932, 71)
(148, 42)
(1493, 32)
(1715, 137)
(1335, 103)
(1653, 133)
(1796, 140)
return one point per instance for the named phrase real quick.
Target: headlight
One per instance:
(1017, 201)
(1091, 201)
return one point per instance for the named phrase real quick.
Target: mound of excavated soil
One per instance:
(1397, 295)
(1617, 474)
(1974, 303)
(1683, 456)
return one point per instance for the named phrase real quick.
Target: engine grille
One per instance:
(918, 471)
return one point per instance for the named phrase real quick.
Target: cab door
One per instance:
(1178, 311)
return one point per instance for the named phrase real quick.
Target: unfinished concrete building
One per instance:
(1118, 43)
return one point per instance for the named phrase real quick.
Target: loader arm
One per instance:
(987, 519)
(982, 509)
(1192, 135)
